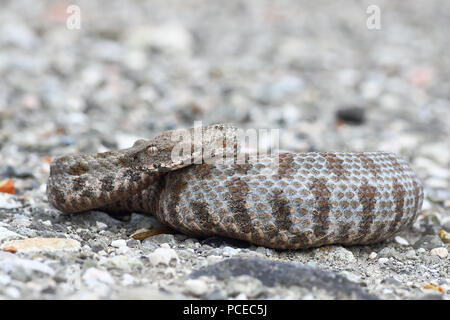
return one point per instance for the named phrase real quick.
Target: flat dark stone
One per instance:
(352, 115)
(274, 273)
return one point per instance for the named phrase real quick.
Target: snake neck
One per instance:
(85, 182)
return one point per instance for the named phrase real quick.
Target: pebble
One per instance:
(338, 253)
(128, 280)
(401, 241)
(12, 292)
(124, 262)
(163, 239)
(94, 277)
(446, 226)
(6, 234)
(8, 201)
(42, 244)
(411, 254)
(213, 259)
(197, 287)
(133, 243)
(163, 256)
(444, 236)
(10, 263)
(100, 225)
(440, 252)
(4, 279)
(118, 243)
(383, 260)
(217, 294)
(122, 250)
(428, 242)
(229, 251)
(351, 115)
(372, 255)
(245, 284)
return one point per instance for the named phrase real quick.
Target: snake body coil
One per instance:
(312, 199)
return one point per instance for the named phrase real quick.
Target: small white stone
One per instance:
(119, 243)
(4, 279)
(401, 241)
(245, 284)
(128, 279)
(447, 203)
(213, 259)
(339, 253)
(8, 201)
(196, 287)
(241, 296)
(122, 250)
(421, 250)
(12, 292)
(93, 277)
(411, 254)
(47, 223)
(383, 260)
(101, 225)
(229, 251)
(124, 262)
(163, 256)
(7, 234)
(372, 255)
(440, 252)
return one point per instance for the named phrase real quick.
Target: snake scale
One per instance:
(312, 199)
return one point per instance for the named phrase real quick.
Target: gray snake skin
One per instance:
(313, 199)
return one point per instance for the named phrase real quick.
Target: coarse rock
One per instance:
(163, 256)
(6, 234)
(273, 273)
(93, 277)
(41, 244)
(8, 201)
(440, 252)
(197, 287)
(428, 242)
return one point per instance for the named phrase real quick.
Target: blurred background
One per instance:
(104, 73)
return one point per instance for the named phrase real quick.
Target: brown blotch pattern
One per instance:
(318, 187)
(335, 164)
(368, 201)
(204, 219)
(238, 190)
(399, 198)
(78, 169)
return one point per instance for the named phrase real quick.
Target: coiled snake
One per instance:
(312, 199)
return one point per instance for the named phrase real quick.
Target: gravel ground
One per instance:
(135, 69)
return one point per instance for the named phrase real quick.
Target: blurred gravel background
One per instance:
(137, 68)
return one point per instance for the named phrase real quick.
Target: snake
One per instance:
(289, 200)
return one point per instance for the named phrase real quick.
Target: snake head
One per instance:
(151, 156)
(176, 149)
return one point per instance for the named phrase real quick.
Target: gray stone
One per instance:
(428, 242)
(273, 273)
(163, 238)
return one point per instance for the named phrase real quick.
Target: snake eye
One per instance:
(152, 151)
